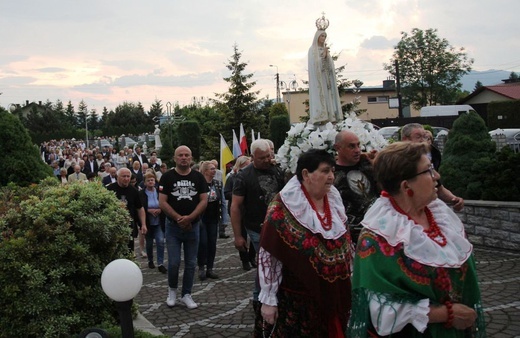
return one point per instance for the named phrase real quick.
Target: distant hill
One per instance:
(487, 77)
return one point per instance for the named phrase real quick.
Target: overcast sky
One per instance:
(108, 52)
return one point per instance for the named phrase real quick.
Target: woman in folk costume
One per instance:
(324, 101)
(305, 255)
(414, 271)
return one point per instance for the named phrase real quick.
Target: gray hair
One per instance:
(123, 169)
(408, 128)
(260, 144)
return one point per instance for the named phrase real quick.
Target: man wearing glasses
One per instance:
(414, 132)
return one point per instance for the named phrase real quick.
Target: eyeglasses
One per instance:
(419, 137)
(431, 170)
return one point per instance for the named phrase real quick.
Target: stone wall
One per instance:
(492, 223)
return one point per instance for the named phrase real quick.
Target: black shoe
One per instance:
(151, 265)
(246, 266)
(223, 236)
(162, 269)
(211, 274)
(253, 264)
(202, 275)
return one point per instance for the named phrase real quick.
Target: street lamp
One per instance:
(357, 84)
(277, 84)
(292, 85)
(121, 280)
(86, 129)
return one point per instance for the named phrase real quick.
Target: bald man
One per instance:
(183, 197)
(111, 177)
(354, 178)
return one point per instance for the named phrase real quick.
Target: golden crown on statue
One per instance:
(322, 23)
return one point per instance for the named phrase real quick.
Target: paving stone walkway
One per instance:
(225, 308)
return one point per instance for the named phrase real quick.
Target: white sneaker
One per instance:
(188, 301)
(172, 296)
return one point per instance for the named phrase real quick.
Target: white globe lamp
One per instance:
(121, 280)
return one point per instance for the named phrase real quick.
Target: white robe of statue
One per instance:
(324, 102)
(157, 133)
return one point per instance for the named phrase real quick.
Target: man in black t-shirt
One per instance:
(253, 189)
(183, 196)
(129, 195)
(354, 179)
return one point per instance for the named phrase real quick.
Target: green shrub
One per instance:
(55, 242)
(21, 162)
(500, 178)
(279, 127)
(189, 135)
(472, 169)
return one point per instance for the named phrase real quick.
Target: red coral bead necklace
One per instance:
(434, 232)
(326, 220)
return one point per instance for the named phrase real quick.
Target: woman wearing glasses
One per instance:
(414, 132)
(414, 272)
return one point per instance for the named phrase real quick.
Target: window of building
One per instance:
(377, 99)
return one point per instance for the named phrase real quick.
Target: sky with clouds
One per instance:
(109, 52)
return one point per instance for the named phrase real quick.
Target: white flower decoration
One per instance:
(300, 139)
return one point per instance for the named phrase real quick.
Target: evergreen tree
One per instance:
(156, 111)
(239, 103)
(478, 84)
(82, 117)
(58, 107)
(468, 145)
(93, 120)
(21, 163)
(70, 115)
(103, 123)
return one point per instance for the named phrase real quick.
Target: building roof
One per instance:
(508, 90)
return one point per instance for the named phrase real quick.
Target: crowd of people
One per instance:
(73, 161)
(360, 245)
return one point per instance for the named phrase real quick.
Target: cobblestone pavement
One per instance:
(225, 308)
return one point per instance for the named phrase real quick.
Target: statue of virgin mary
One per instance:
(324, 101)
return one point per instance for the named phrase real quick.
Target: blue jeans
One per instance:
(155, 233)
(255, 240)
(207, 243)
(175, 238)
